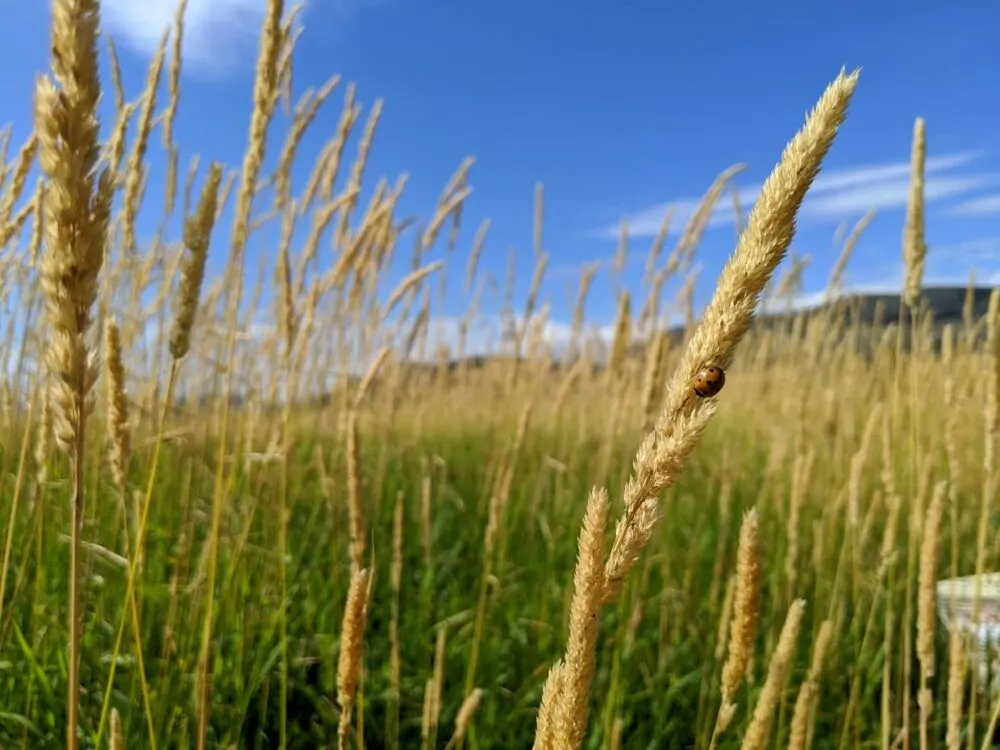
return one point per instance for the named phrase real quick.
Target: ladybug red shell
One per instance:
(709, 381)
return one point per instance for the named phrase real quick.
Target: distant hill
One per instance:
(946, 303)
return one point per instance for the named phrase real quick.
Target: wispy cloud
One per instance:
(215, 31)
(982, 249)
(986, 204)
(865, 175)
(836, 194)
(888, 194)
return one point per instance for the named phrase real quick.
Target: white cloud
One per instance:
(215, 31)
(836, 194)
(485, 333)
(887, 195)
(981, 249)
(839, 179)
(986, 204)
(647, 222)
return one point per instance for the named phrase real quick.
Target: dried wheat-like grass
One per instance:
(758, 733)
(572, 711)
(726, 320)
(118, 420)
(116, 742)
(930, 553)
(662, 454)
(806, 700)
(134, 169)
(351, 645)
(197, 237)
(464, 717)
(77, 209)
(354, 502)
(956, 688)
(914, 246)
(545, 730)
(746, 608)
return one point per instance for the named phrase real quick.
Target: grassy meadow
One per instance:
(208, 542)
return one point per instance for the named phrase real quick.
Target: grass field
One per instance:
(530, 550)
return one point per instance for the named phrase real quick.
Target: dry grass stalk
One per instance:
(745, 617)
(930, 554)
(616, 734)
(41, 452)
(410, 282)
(620, 257)
(956, 688)
(800, 480)
(587, 276)
(12, 192)
(77, 209)
(38, 225)
(305, 114)
(806, 700)
(622, 337)
(545, 730)
(475, 254)
(351, 646)
(174, 75)
(426, 519)
(449, 207)
(358, 168)
(790, 284)
(197, 238)
(118, 420)
(759, 731)
(656, 246)
(116, 75)
(173, 100)
(464, 717)
(134, 171)
(433, 691)
(395, 583)
(349, 114)
(991, 479)
(197, 232)
(726, 320)
(914, 246)
(572, 711)
(837, 274)
(653, 376)
(116, 742)
(265, 94)
(725, 617)
(661, 456)
(354, 502)
(681, 255)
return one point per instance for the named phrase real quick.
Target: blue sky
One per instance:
(619, 109)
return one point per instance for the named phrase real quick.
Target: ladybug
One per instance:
(709, 381)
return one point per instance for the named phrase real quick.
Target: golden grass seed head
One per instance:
(197, 238)
(746, 607)
(118, 419)
(77, 206)
(758, 732)
(914, 244)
